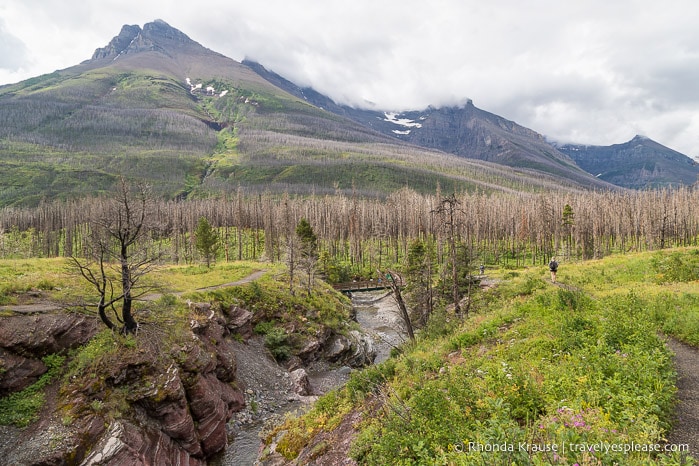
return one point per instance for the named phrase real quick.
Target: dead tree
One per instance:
(118, 254)
(395, 281)
(448, 209)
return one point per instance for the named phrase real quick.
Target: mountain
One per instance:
(126, 111)
(155, 105)
(637, 164)
(465, 131)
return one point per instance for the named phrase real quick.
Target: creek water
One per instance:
(377, 315)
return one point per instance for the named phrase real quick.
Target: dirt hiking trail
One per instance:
(686, 429)
(43, 306)
(686, 361)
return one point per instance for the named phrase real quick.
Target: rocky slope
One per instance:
(137, 403)
(25, 339)
(465, 131)
(164, 396)
(637, 164)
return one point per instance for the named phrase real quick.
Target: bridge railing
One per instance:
(360, 285)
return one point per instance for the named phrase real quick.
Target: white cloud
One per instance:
(13, 52)
(594, 72)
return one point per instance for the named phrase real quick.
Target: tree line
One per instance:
(368, 232)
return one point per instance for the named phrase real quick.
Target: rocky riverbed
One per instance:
(271, 391)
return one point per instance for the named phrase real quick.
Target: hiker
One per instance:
(482, 269)
(553, 267)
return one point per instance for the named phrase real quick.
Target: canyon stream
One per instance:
(268, 387)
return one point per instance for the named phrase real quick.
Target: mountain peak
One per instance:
(119, 43)
(156, 35)
(159, 29)
(637, 164)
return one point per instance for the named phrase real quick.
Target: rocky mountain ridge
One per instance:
(465, 131)
(470, 132)
(129, 110)
(637, 164)
(133, 39)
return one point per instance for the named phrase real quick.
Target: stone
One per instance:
(337, 347)
(18, 372)
(25, 339)
(309, 349)
(128, 445)
(39, 335)
(293, 363)
(302, 385)
(363, 350)
(203, 309)
(212, 404)
(239, 321)
(356, 349)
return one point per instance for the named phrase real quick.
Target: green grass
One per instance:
(21, 408)
(59, 283)
(664, 282)
(371, 177)
(50, 276)
(188, 278)
(287, 320)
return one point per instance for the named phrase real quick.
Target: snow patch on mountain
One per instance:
(404, 122)
(210, 90)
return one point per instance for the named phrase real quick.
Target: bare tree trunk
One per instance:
(395, 287)
(130, 324)
(103, 315)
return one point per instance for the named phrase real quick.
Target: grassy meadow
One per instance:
(540, 374)
(58, 282)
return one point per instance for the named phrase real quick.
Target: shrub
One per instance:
(276, 340)
(676, 266)
(21, 408)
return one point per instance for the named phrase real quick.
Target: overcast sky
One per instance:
(585, 71)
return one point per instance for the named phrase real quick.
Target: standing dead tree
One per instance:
(448, 209)
(395, 281)
(308, 252)
(118, 254)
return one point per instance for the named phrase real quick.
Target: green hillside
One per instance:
(192, 122)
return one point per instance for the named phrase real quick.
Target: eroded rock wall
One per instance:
(153, 403)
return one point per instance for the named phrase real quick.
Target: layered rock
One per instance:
(239, 321)
(25, 339)
(180, 410)
(148, 404)
(132, 39)
(119, 43)
(356, 349)
(128, 445)
(42, 334)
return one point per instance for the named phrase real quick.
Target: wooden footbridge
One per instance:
(364, 285)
